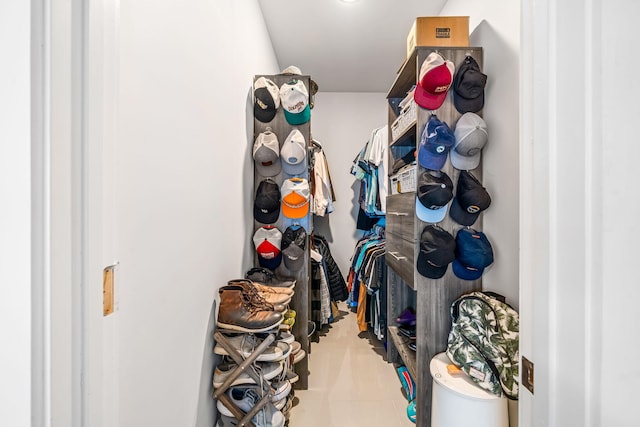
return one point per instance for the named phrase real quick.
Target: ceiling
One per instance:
(345, 47)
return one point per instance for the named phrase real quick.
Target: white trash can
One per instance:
(458, 402)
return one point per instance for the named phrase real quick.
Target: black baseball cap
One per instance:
(434, 192)
(468, 87)
(437, 250)
(266, 206)
(294, 234)
(470, 200)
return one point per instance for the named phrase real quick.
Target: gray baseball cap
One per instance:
(293, 257)
(471, 137)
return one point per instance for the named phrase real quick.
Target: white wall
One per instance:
(495, 26)
(178, 181)
(342, 123)
(15, 216)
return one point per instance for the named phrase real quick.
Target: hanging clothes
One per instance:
(367, 281)
(323, 194)
(370, 168)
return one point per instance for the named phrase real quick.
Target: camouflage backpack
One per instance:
(483, 342)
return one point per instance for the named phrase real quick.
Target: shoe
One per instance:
(226, 421)
(290, 321)
(290, 313)
(407, 317)
(281, 390)
(285, 348)
(246, 344)
(272, 289)
(267, 370)
(411, 411)
(287, 337)
(409, 332)
(239, 312)
(244, 398)
(408, 385)
(295, 347)
(292, 377)
(299, 356)
(268, 278)
(267, 301)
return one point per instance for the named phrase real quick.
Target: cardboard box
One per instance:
(451, 31)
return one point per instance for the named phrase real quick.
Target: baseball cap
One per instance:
(437, 250)
(266, 154)
(294, 234)
(435, 142)
(295, 197)
(434, 192)
(471, 136)
(468, 87)
(436, 76)
(473, 254)
(295, 102)
(293, 257)
(266, 205)
(294, 153)
(267, 240)
(470, 200)
(266, 99)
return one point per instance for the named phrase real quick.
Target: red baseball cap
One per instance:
(436, 76)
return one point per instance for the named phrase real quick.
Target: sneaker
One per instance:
(226, 421)
(299, 356)
(281, 390)
(407, 317)
(244, 398)
(246, 344)
(285, 348)
(268, 371)
(411, 411)
(408, 385)
(287, 337)
(292, 377)
(295, 347)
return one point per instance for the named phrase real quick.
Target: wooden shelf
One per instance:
(407, 355)
(410, 130)
(405, 78)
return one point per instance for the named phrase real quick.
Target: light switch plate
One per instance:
(527, 374)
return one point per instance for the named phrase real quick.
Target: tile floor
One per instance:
(350, 383)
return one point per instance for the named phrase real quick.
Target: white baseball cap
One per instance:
(294, 98)
(294, 153)
(266, 154)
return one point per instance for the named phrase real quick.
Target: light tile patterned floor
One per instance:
(350, 383)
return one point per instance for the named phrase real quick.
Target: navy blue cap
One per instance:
(473, 254)
(270, 263)
(435, 142)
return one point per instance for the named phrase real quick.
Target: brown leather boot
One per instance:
(238, 312)
(277, 299)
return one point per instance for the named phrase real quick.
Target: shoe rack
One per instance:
(300, 300)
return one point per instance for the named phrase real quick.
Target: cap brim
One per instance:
(465, 105)
(429, 271)
(430, 215)
(266, 218)
(298, 118)
(265, 116)
(272, 263)
(428, 160)
(466, 273)
(460, 215)
(271, 170)
(295, 213)
(464, 163)
(296, 169)
(427, 100)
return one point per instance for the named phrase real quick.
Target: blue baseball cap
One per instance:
(435, 142)
(473, 254)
